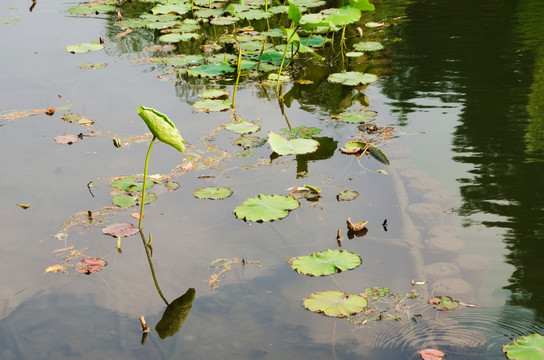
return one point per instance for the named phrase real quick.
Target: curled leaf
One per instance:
(162, 128)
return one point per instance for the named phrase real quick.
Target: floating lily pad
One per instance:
(88, 9)
(307, 192)
(347, 195)
(171, 38)
(444, 303)
(326, 262)
(355, 117)
(335, 303)
(89, 66)
(368, 46)
(129, 184)
(243, 127)
(354, 54)
(352, 78)
(358, 226)
(529, 347)
(171, 185)
(372, 25)
(248, 142)
(124, 200)
(90, 265)
(212, 105)
(214, 94)
(84, 47)
(282, 146)
(253, 14)
(67, 139)
(266, 207)
(77, 118)
(432, 354)
(180, 9)
(300, 132)
(344, 16)
(120, 229)
(224, 20)
(210, 70)
(213, 193)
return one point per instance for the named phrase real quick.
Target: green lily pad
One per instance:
(210, 70)
(352, 78)
(77, 118)
(354, 54)
(213, 193)
(129, 184)
(84, 47)
(162, 127)
(378, 155)
(282, 146)
(224, 20)
(307, 192)
(529, 347)
(214, 94)
(180, 9)
(344, 16)
(253, 14)
(182, 60)
(356, 117)
(88, 9)
(335, 303)
(347, 195)
(243, 127)
(326, 262)
(159, 48)
(212, 105)
(124, 200)
(171, 38)
(444, 303)
(368, 46)
(352, 147)
(373, 25)
(376, 292)
(266, 207)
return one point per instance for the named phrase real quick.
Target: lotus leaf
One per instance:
(335, 303)
(363, 5)
(352, 78)
(90, 265)
(175, 314)
(372, 25)
(210, 70)
(90, 66)
(67, 139)
(378, 155)
(120, 229)
(354, 54)
(347, 195)
(124, 200)
(253, 14)
(162, 128)
(223, 20)
(326, 262)
(529, 347)
(87, 9)
(171, 38)
(180, 9)
(444, 303)
(213, 193)
(432, 354)
(214, 94)
(344, 16)
(355, 117)
(358, 226)
(352, 147)
(129, 183)
(212, 105)
(282, 146)
(161, 25)
(368, 46)
(266, 207)
(243, 127)
(249, 141)
(300, 132)
(84, 47)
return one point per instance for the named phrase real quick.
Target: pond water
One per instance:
(461, 83)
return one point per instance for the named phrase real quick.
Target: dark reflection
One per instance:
(175, 314)
(326, 149)
(488, 56)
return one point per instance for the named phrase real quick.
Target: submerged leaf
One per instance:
(335, 303)
(266, 207)
(326, 262)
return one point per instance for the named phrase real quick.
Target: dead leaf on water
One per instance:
(23, 206)
(56, 268)
(67, 139)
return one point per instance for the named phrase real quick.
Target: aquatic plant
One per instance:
(163, 129)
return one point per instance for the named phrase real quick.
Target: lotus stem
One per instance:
(283, 59)
(152, 268)
(238, 71)
(145, 183)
